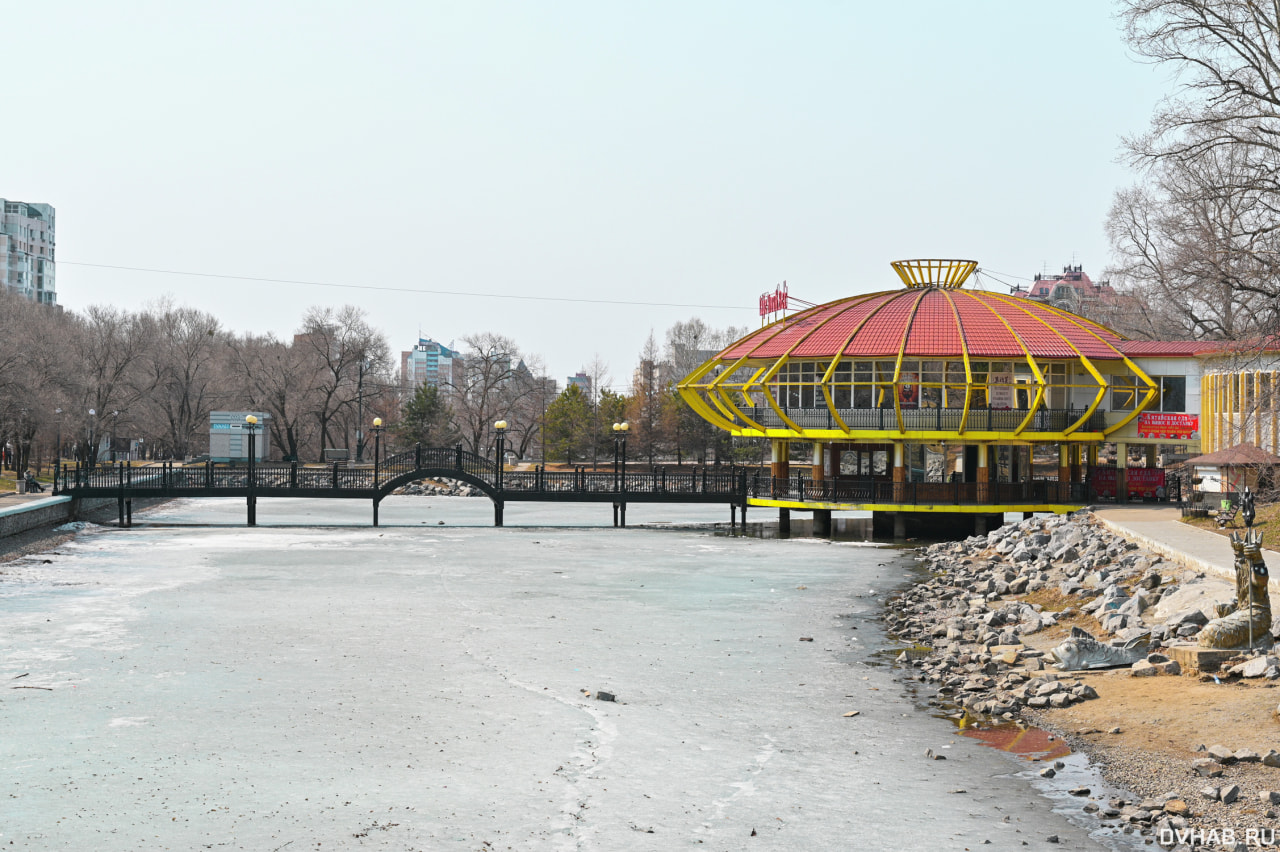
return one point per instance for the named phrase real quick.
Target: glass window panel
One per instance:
(1123, 393)
(1173, 393)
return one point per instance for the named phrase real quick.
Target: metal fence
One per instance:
(930, 419)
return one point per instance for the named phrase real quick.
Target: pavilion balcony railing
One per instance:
(930, 419)
(879, 491)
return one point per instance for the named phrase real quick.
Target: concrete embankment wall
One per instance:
(48, 511)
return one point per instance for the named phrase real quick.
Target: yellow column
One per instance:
(1256, 408)
(1271, 404)
(1228, 410)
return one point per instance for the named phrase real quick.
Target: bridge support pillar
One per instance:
(899, 526)
(784, 523)
(128, 513)
(252, 507)
(120, 507)
(375, 511)
(497, 512)
(822, 523)
(623, 513)
(733, 518)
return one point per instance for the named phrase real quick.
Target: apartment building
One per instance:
(27, 250)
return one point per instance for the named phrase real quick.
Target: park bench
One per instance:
(1227, 514)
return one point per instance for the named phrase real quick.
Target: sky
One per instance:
(573, 175)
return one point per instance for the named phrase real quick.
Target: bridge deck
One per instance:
(737, 487)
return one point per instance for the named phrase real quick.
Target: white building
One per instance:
(429, 363)
(27, 250)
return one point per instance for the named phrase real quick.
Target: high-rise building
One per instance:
(429, 363)
(26, 250)
(582, 380)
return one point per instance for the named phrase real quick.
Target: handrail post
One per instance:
(417, 456)
(458, 458)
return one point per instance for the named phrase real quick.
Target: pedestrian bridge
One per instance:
(890, 502)
(728, 485)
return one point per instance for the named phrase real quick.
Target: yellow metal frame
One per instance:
(963, 508)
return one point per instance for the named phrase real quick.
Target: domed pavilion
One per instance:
(926, 398)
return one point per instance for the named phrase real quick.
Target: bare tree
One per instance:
(1199, 245)
(645, 409)
(1197, 242)
(279, 380)
(1227, 56)
(112, 380)
(186, 370)
(486, 387)
(345, 349)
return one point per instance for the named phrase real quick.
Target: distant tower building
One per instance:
(26, 250)
(429, 363)
(582, 380)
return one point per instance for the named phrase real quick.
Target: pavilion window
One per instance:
(957, 383)
(979, 369)
(841, 390)
(884, 384)
(863, 390)
(1173, 394)
(1056, 377)
(931, 384)
(808, 384)
(1124, 393)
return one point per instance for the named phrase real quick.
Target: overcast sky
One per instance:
(685, 155)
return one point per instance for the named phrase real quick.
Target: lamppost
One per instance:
(377, 447)
(620, 441)
(57, 454)
(91, 457)
(251, 423)
(501, 427)
(115, 417)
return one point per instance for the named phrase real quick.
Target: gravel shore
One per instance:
(981, 629)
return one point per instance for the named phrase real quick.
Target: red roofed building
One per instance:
(906, 383)
(1073, 291)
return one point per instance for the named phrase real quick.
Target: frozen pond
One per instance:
(430, 686)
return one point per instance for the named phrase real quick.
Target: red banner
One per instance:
(1163, 425)
(1140, 481)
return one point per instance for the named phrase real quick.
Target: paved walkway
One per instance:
(11, 498)
(1160, 529)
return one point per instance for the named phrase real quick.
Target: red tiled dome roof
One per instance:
(930, 322)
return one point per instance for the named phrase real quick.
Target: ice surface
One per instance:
(432, 687)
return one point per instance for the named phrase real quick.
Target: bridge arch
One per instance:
(385, 488)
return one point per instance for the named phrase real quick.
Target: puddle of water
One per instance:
(1029, 742)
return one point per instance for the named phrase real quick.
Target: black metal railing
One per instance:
(317, 479)
(727, 483)
(930, 419)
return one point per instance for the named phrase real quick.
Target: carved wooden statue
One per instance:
(1247, 622)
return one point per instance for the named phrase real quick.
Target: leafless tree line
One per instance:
(1197, 240)
(107, 381)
